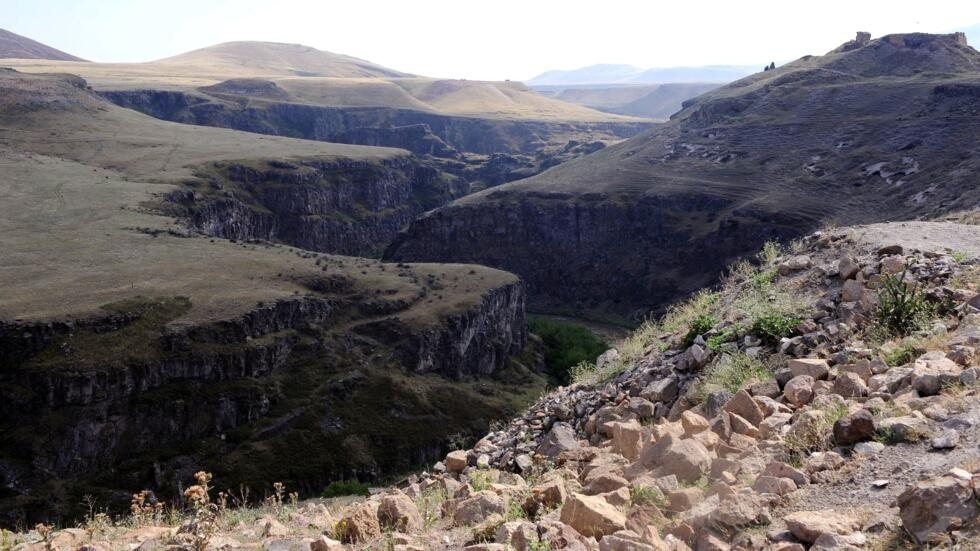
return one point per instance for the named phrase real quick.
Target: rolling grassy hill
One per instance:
(872, 131)
(14, 46)
(274, 58)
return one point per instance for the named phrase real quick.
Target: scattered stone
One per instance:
(519, 534)
(456, 461)
(814, 367)
(744, 406)
(592, 515)
(360, 524)
(799, 390)
(880, 483)
(397, 511)
(850, 385)
(946, 440)
(561, 438)
(931, 508)
(807, 526)
(854, 428)
(848, 267)
(477, 508)
(687, 458)
(794, 264)
(868, 448)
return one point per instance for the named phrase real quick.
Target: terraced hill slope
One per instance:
(872, 131)
(133, 347)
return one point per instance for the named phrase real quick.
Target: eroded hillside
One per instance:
(875, 130)
(134, 348)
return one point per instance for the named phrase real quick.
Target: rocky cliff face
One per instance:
(294, 382)
(470, 148)
(353, 208)
(612, 257)
(417, 131)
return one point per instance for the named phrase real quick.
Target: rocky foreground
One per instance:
(824, 399)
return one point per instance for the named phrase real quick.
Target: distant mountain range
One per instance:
(628, 74)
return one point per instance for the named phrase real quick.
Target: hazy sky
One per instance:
(497, 39)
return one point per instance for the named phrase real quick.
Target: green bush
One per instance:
(345, 488)
(902, 307)
(565, 346)
(731, 371)
(699, 326)
(773, 326)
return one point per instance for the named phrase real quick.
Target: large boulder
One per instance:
(856, 427)
(592, 515)
(814, 367)
(360, 524)
(745, 407)
(807, 526)
(398, 512)
(687, 459)
(477, 508)
(799, 390)
(931, 508)
(561, 438)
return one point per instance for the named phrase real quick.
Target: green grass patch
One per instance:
(731, 371)
(902, 307)
(699, 326)
(345, 488)
(772, 326)
(565, 346)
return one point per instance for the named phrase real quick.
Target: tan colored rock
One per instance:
(626, 540)
(559, 535)
(550, 492)
(592, 515)
(774, 485)
(477, 508)
(687, 459)
(799, 390)
(684, 499)
(272, 528)
(742, 426)
(518, 534)
(814, 367)
(627, 438)
(693, 423)
(745, 407)
(360, 524)
(932, 372)
(807, 526)
(456, 461)
(772, 425)
(783, 470)
(617, 498)
(850, 385)
(606, 482)
(707, 439)
(929, 509)
(398, 512)
(323, 543)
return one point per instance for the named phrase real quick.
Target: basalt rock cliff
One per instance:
(875, 130)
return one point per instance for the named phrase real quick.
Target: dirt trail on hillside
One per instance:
(924, 236)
